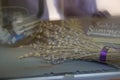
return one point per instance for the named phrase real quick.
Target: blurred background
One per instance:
(68, 7)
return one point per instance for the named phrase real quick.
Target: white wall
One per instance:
(113, 6)
(53, 10)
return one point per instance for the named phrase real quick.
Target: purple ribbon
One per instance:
(103, 53)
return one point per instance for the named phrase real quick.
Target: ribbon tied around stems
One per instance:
(104, 51)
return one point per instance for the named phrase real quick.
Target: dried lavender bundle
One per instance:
(58, 41)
